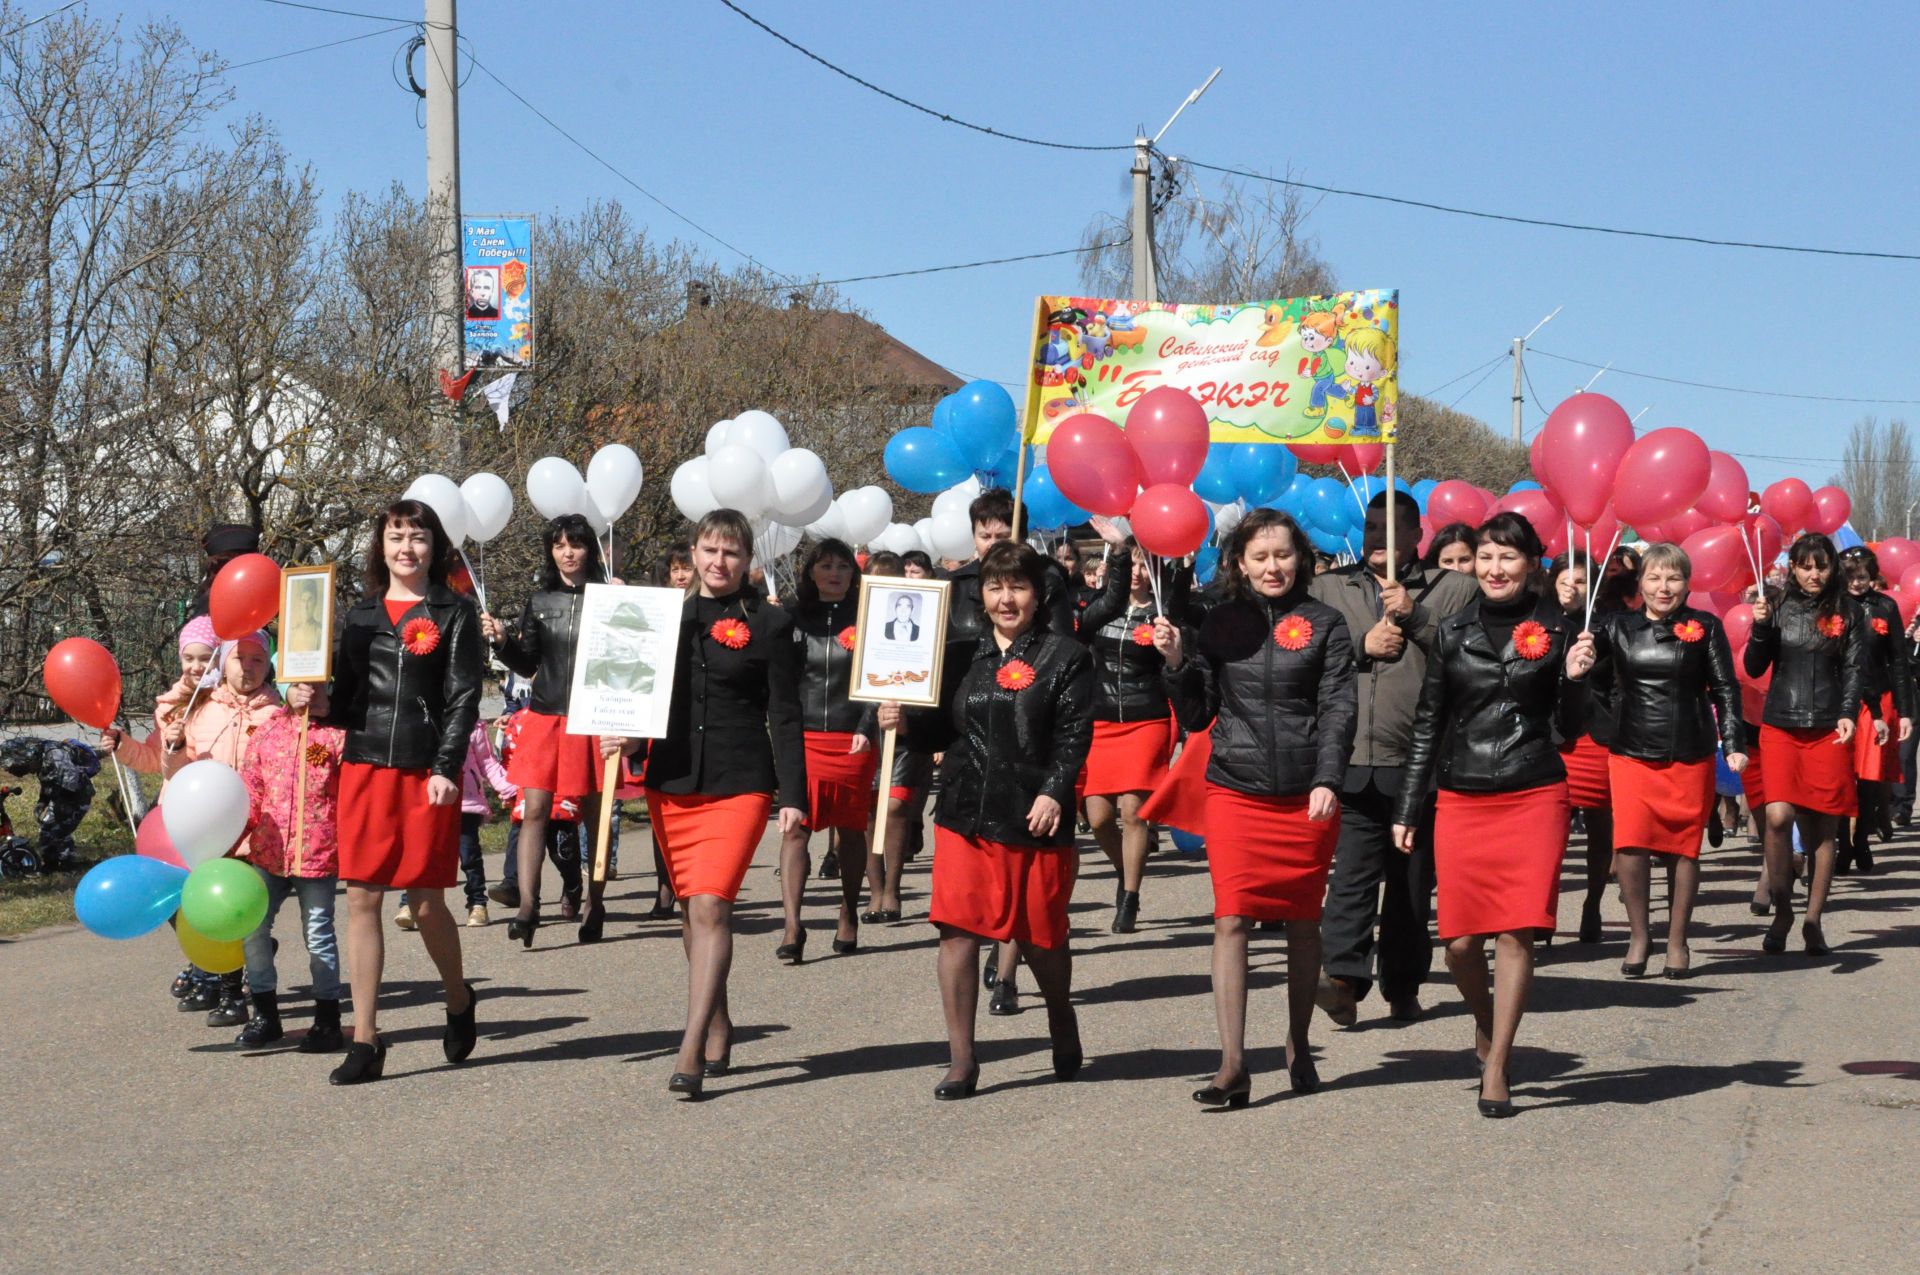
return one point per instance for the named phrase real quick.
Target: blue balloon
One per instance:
(982, 423)
(128, 895)
(1187, 842)
(1261, 471)
(1328, 503)
(1046, 508)
(1293, 501)
(1525, 484)
(1327, 541)
(943, 419)
(921, 460)
(1215, 480)
(1421, 490)
(1205, 563)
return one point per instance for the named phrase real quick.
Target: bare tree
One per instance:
(1880, 475)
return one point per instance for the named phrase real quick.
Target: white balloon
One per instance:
(489, 504)
(759, 430)
(952, 500)
(739, 479)
(204, 809)
(1227, 517)
(717, 435)
(779, 539)
(923, 528)
(556, 488)
(1122, 525)
(442, 495)
(799, 478)
(831, 524)
(953, 536)
(692, 494)
(867, 511)
(812, 513)
(614, 478)
(971, 487)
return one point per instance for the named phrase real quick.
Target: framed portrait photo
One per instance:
(306, 624)
(900, 640)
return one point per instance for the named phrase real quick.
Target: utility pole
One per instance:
(442, 73)
(1144, 284)
(1519, 351)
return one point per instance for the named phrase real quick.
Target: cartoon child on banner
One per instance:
(1320, 338)
(1370, 362)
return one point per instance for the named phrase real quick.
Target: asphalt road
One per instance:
(1764, 1115)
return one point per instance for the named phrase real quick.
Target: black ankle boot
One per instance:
(231, 1009)
(265, 1027)
(1126, 912)
(324, 1036)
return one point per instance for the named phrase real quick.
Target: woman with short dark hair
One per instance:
(1889, 684)
(1451, 549)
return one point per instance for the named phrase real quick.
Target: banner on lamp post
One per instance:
(496, 256)
(1294, 370)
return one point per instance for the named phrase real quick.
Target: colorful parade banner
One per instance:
(497, 290)
(1300, 370)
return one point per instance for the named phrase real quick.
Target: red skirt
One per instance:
(390, 836)
(1810, 769)
(1751, 784)
(1496, 856)
(1877, 763)
(1661, 806)
(839, 781)
(1181, 799)
(707, 842)
(547, 758)
(1127, 757)
(1000, 891)
(1268, 861)
(1588, 785)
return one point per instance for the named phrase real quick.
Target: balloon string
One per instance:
(478, 588)
(1153, 581)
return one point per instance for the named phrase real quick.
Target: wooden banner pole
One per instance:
(300, 794)
(878, 841)
(603, 835)
(1393, 520)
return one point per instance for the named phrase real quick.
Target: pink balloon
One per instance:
(1537, 459)
(1898, 556)
(1787, 502)
(1739, 623)
(153, 842)
(1360, 459)
(1456, 501)
(1708, 602)
(1168, 431)
(1601, 534)
(1830, 509)
(1724, 600)
(1771, 538)
(1725, 499)
(1316, 453)
(1719, 559)
(1540, 510)
(1169, 520)
(1092, 464)
(1427, 528)
(1660, 476)
(1909, 604)
(1583, 443)
(1678, 528)
(1909, 579)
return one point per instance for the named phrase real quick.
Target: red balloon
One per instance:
(1661, 476)
(245, 596)
(152, 841)
(1092, 464)
(1909, 580)
(1537, 459)
(1540, 510)
(1169, 520)
(1897, 556)
(84, 681)
(1724, 600)
(1360, 459)
(1830, 509)
(1676, 529)
(1787, 502)
(1739, 624)
(1909, 603)
(1168, 431)
(1584, 441)
(1316, 453)
(1456, 501)
(1771, 540)
(1427, 528)
(1718, 557)
(1594, 541)
(1725, 499)
(1709, 602)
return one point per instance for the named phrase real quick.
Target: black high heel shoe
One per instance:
(692, 1088)
(1590, 929)
(462, 1032)
(1301, 1076)
(520, 928)
(1814, 938)
(1633, 969)
(792, 953)
(723, 1064)
(1493, 1108)
(1237, 1094)
(990, 973)
(661, 911)
(362, 1064)
(1774, 941)
(846, 947)
(1758, 908)
(954, 1090)
(593, 923)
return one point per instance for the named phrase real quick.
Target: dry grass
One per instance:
(35, 902)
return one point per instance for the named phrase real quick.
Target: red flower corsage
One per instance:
(730, 633)
(317, 755)
(1832, 626)
(1143, 635)
(1293, 633)
(420, 636)
(1014, 675)
(845, 638)
(1879, 626)
(1689, 630)
(1531, 640)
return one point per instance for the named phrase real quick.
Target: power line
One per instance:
(343, 13)
(1463, 376)
(34, 22)
(964, 265)
(942, 116)
(1732, 389)
(315, 48)
(1552, 225)
(1476, 385)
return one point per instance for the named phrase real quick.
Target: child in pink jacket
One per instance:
(483, 767)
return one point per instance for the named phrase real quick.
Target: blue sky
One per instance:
(1756, 122)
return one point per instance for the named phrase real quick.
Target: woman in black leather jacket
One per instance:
(1271, 670)
(1889, 683)
(1814, 638)
(839, 736)
(1666, 671)
(1015, 718)
(549, 765)
(1132, 721)
(406, 688)
(1484, 735)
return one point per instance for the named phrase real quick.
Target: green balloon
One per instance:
(224, 899)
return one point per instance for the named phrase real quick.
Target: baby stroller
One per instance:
(65, 769)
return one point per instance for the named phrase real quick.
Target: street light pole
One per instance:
(1146, 287)
(442, 71)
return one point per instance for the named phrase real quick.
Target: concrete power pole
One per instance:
(442, 73)
(1519, 348)
(1145, 286)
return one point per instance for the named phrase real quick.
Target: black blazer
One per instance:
(734, 726)
(407, 711)
(912, 634)
(1006, 746)
(1817, 678)
(541, 647)
(826, 669)
(1486, 718)
(1665, 692)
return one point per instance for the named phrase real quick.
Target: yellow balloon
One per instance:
(211, 956)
